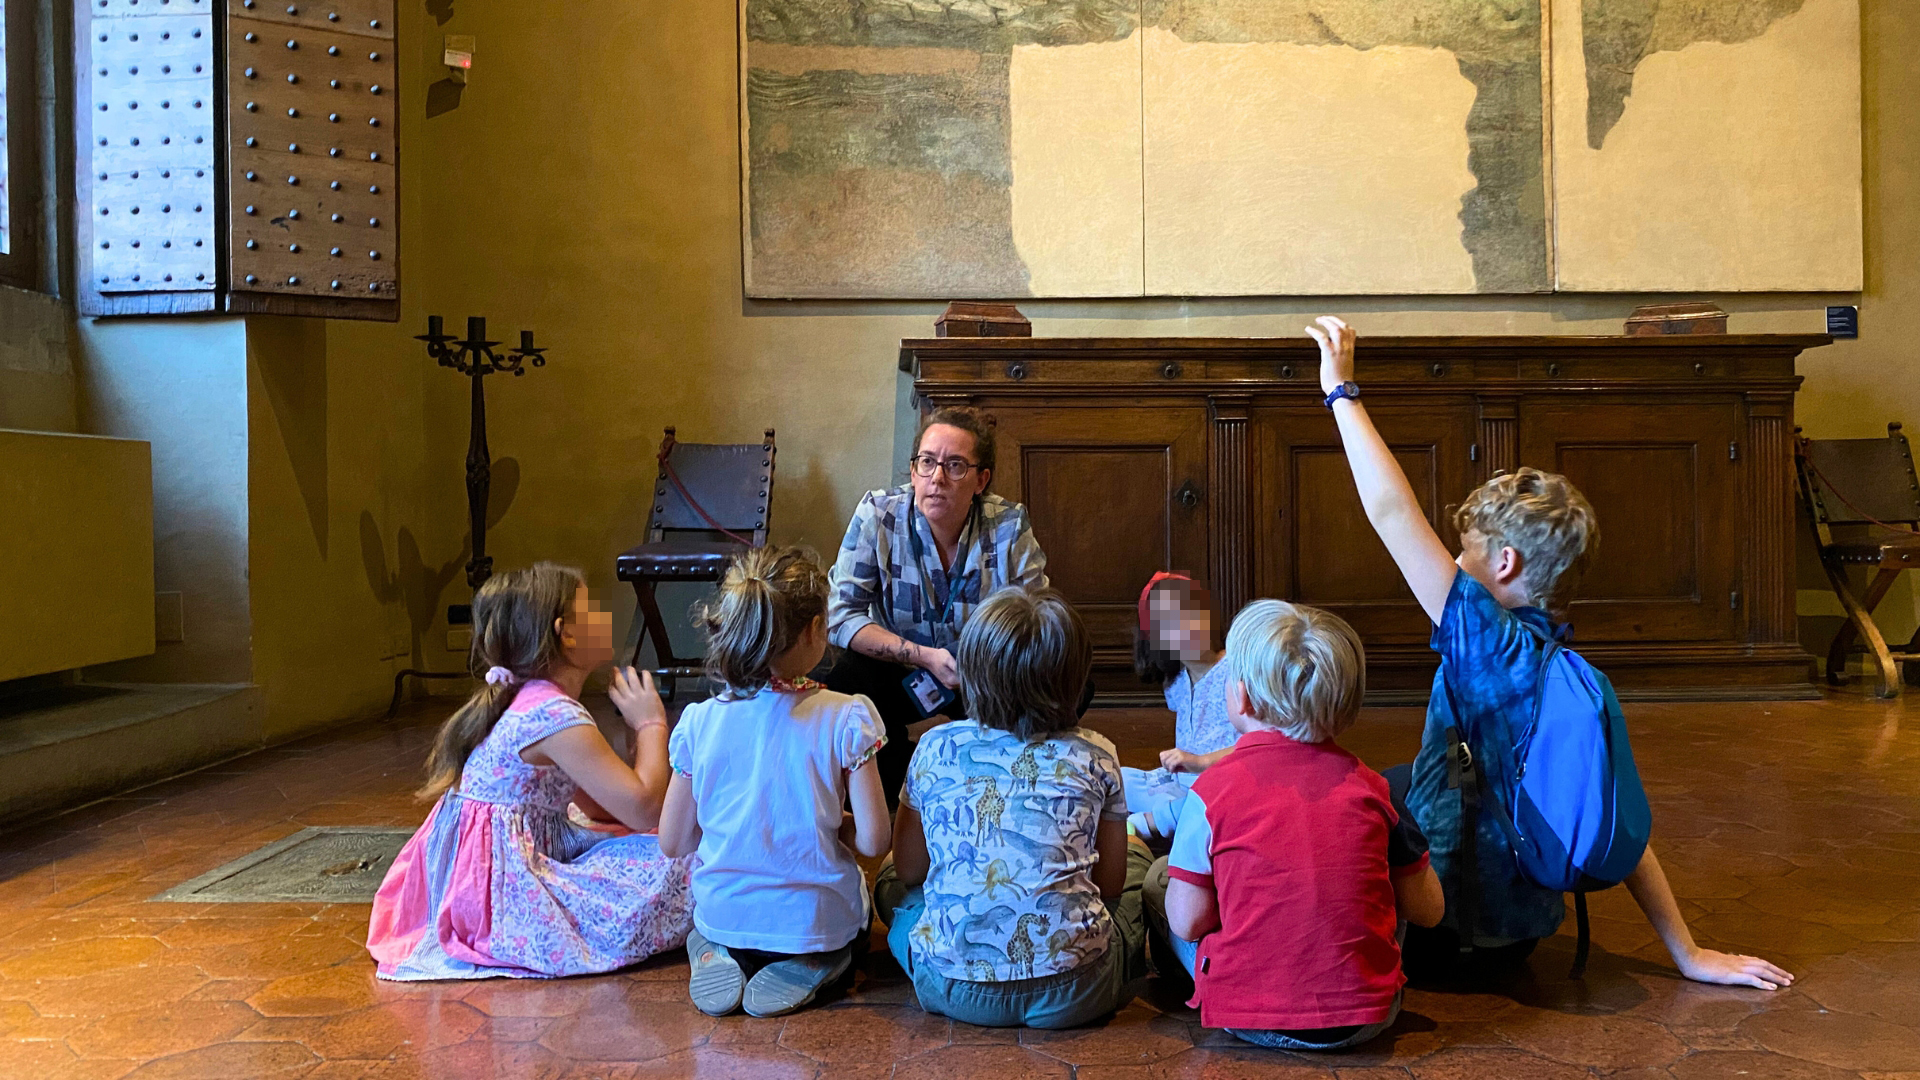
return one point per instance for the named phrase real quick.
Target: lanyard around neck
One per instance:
(959, 558)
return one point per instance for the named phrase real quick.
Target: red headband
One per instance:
(1146, 627)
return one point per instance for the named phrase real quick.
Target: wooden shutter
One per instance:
(146, 152)
(238, 157)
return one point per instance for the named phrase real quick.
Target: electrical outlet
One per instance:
(459, 639)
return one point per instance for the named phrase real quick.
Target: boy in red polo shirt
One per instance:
(1290, 871)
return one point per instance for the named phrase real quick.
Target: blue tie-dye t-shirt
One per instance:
(1490, 664)
(1010, 828)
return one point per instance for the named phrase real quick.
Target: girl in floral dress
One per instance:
(498, 881)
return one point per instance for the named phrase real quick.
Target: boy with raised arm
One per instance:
(1524, 539)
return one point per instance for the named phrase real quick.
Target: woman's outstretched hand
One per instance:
(639, 703)
(940, 664)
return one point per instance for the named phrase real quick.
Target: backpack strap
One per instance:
(1464, 776)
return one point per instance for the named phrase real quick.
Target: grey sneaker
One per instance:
(781, 987)
(717, 981)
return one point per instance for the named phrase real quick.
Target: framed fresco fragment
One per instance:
(1086, 148)
(1707, 145)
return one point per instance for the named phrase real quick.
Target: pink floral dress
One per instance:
(498, 881)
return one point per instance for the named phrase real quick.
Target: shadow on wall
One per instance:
(411, 581)
(289, 355)
(443, 97)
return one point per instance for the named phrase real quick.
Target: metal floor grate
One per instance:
(339, 864)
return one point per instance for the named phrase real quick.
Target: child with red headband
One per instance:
(1173, 649)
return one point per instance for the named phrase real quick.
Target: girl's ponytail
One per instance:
(766, 599)
(513, 630)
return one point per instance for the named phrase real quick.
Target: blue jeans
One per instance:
(1067, 999)
(1154, 892)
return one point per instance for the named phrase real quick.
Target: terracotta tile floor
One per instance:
(1790, 830)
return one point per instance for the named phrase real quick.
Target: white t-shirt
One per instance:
(769, 776)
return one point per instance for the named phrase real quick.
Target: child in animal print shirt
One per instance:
(1014, 895)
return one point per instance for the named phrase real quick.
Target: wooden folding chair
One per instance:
(710, 502)
(1869, 488)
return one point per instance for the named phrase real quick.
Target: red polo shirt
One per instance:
(1300, 843)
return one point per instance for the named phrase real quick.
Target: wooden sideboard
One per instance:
(1215, 456)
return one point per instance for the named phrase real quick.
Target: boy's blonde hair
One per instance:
(1304, 669)
(1542, 516)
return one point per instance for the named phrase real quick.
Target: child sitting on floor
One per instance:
(761, 772)
(1173, 648)
(1290, 869)
(498, 882)
(1013, 897)
(1524, 539)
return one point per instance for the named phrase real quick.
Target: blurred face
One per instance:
(587, 633)
(1181, 621)
(944, 500)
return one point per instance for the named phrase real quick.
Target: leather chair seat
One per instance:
(687, 560)
(1884, 549)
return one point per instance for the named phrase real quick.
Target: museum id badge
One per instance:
(929, 696)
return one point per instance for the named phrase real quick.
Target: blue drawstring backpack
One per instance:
(1564, 790)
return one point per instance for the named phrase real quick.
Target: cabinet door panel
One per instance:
(1322, 550)
(1103, 488)
(1664, 487)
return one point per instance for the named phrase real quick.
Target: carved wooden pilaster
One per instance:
(1767, 493)
(1230, 504)
(1499, 437)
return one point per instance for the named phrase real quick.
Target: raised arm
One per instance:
(1389, 500)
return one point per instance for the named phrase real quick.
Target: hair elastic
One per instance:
(1146, 626)
(499, 676)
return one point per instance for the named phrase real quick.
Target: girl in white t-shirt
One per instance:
(761, 772)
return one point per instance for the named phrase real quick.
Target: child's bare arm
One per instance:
(1193, 911)
(873, 833)
(679, 820)
(1648, 884)
(1177, 760)
(608, 783)
(1389, 500)
(1421, 900)
(640, 706)
(910, 862)
(1110, 873)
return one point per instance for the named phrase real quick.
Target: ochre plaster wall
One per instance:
(586, 185)
(333, 481)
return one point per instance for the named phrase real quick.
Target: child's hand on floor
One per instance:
(639, 703)
(1732, 969)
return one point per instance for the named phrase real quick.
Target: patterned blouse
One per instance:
(878, 579)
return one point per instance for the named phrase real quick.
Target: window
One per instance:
(20, 130)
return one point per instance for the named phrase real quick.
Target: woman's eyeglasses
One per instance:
(925, 465)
